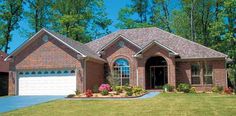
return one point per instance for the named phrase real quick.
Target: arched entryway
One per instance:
(156, 72)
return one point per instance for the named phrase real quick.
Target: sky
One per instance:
(112, 9)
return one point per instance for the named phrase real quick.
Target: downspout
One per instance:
(85, 73)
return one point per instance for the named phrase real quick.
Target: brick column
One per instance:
(12, 85)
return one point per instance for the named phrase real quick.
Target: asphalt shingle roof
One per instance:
(85, 50)
(143, 36)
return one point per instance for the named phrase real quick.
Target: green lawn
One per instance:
(163, 104)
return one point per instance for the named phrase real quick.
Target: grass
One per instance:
(163, 104)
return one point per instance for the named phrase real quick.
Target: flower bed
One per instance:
(106, 91)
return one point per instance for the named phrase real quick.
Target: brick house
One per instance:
(51, 64)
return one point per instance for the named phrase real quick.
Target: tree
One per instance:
(161, 14)
(223, 30)
(137, 9)
(75, 18)
(10, 15)
(39, 13)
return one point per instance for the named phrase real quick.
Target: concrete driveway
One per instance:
(10, 103)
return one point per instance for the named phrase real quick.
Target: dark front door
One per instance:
(158, 76)
(3, 84)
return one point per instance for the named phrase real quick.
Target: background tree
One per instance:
(10, 15)
(75, 18)
(39, 13)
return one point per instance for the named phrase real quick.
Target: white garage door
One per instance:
(48, 82)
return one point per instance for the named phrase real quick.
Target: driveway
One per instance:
(15, 102)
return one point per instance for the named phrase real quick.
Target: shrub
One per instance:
(192, 90)
(77, 92)
(89, 93)
(228, 90)
(118, 89)
(95, 89)
(138, 91)
(217, 89)
(104, 92)
(70, 95)
(183, 87)
(105, 87)
(168, 88)
(129, 90)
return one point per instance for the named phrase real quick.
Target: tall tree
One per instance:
(223, 32)
(39, 13)
(161, 14)
(74, 18)
(137, 9)
(10, 15)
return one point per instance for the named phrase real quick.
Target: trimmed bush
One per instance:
(168, 88)
(184, 87)
(118, 89)
(138, 91)
(104, 92)
(129, 90)
(217, 89)
(192, 90)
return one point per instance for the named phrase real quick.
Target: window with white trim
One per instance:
(195, 71)
(207, 74)
(121, 71)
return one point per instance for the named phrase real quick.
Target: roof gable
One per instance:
(115, 40)
(144, 36)
(83, 50)
(148, 46)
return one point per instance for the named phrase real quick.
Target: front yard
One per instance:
(163, 104)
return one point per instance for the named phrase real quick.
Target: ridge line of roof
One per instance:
(191, 41)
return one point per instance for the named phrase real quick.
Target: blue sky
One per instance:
(112, 8)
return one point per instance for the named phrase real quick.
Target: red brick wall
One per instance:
(4, 66)
(183, 73)
(155, 50)
(114, 52)
(45, 55)
(94, 74)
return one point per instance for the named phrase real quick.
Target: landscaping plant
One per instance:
(95, 89)
(184, 87)
(104, 92)
(118, 89)
(138, 91)
(192, 90)
(217, 89)
(77, 92)
(228, 90)
(129, 90)
(105, 87)
(89, 93)
(168, 88)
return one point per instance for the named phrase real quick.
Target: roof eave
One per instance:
(150, 44)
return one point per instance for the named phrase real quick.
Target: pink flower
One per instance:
(105, 87)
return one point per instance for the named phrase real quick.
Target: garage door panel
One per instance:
(47, 84)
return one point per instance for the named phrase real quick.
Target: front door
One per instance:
(158, 76)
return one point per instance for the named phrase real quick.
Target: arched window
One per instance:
(121, 71)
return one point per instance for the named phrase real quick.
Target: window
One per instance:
(195, 71)
(121, 71)
(207, 74)
(72, 71)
